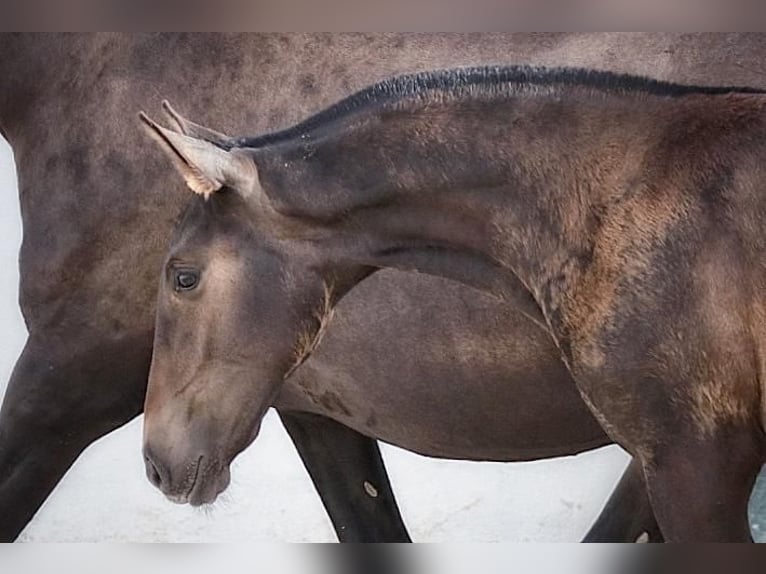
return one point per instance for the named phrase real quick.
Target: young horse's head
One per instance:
(222, 346)
(285, 224)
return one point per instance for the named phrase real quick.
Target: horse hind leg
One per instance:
(348, 472)
(627, 515)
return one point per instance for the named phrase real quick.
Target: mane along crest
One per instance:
(492, 81)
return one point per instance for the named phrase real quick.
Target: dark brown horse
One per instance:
(97, 204)
(621, 215)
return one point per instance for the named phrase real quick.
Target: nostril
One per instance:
(152, 473)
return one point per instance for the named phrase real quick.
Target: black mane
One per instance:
(496, 80)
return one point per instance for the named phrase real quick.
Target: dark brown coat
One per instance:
(621, 215)
(97, 217)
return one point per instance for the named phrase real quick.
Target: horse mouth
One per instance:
(194, 481)
(188, 495)
(206, 482)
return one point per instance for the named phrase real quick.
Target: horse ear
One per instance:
(205, 167)
(189, 128)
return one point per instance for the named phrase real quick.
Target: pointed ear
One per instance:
(205, 167)
(189, 128)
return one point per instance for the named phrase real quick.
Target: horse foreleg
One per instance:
(56, 404)
(700, 489)
(628, 513)
(350, 477)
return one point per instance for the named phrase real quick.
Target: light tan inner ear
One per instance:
(179, 153)
(205, 167)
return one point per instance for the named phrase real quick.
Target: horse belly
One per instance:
(440, 369)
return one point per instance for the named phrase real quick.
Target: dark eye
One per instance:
(185, 279)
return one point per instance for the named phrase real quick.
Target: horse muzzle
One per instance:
(199, 481)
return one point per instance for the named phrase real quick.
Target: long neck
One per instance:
(483, 192)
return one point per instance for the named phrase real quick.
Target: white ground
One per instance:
(105, 496)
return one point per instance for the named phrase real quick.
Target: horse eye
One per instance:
(185, 279)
